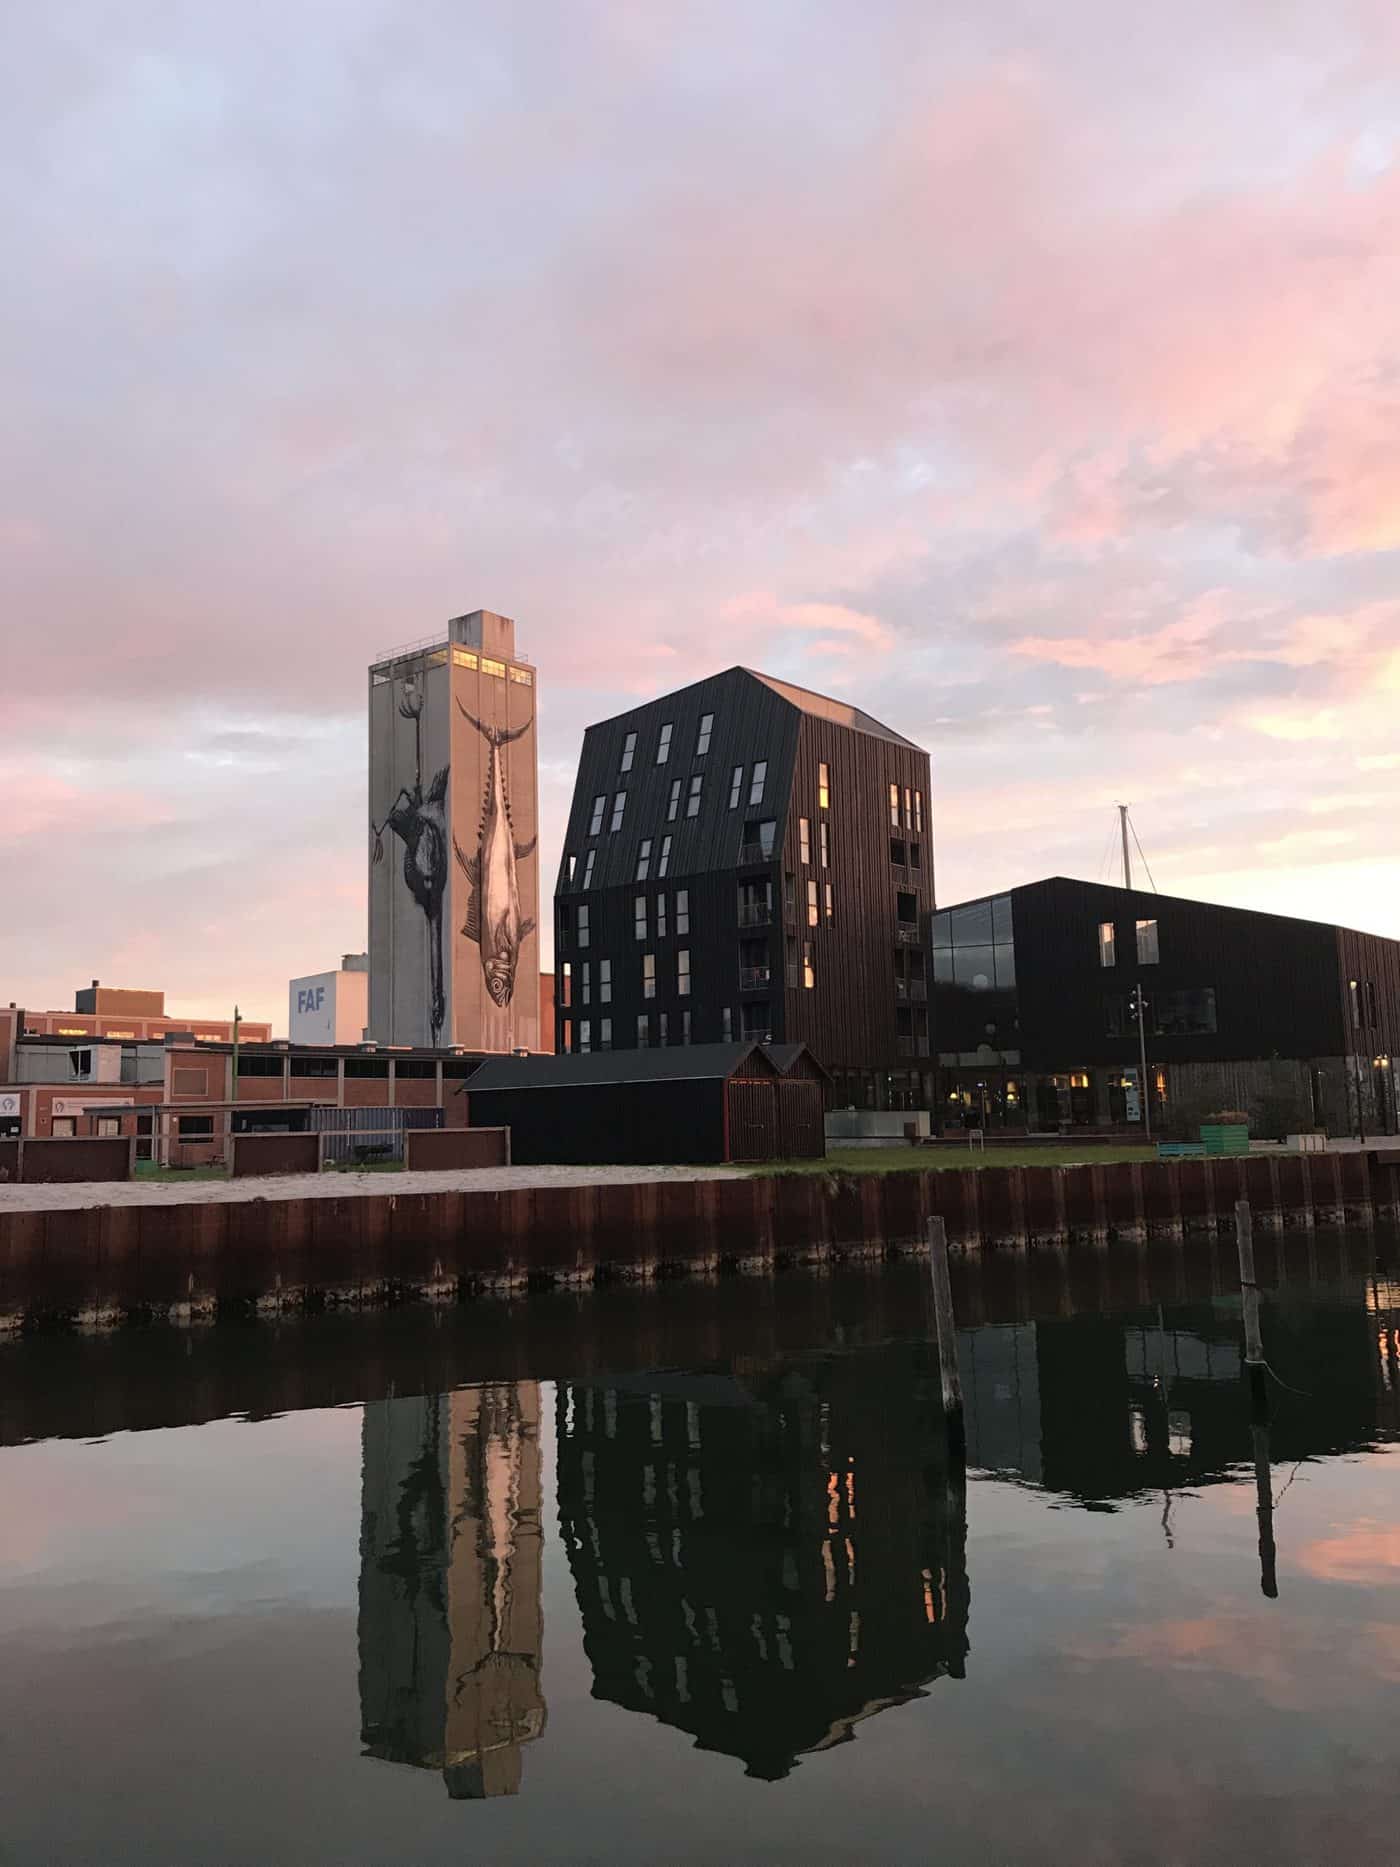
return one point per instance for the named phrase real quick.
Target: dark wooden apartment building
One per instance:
(1296, 1022)
(748, 860)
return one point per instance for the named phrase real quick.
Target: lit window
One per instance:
(661, 917)
(522, 677)
(804, 837)
(894, 806)
(600, 804)
(643, 1030)
(489, 666)
(619, 805)
(648, 975)
(572, 864)
(736, 786)
(644, 859)
(683, 972)
(585, 1040)
(588, 868)
(1108, 955)
(809, 977)
(760, 777)
(463, 658)
(908, 808)
(639, 917)
(665, 861)
(692, 804)
(826, 848)
(566, 981)
(824, 786)
(629, 749)
(663, 744)
(604, 981)
(674, 802)
(605, 1034)
(918, 813)
(830, 907)
(1148, 951)
(583, 925)
(812, 915)
(702, 738)
(682, 910)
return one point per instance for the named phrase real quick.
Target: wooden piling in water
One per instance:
(947, 1340)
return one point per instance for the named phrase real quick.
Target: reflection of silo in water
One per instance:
(451, 1623)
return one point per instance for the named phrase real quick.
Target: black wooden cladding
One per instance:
(1280, 984)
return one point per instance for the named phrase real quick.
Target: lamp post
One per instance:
(1139, 1008)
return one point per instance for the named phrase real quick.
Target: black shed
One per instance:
(693, 1104)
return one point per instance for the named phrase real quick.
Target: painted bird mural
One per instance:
(420, 823)
(494, 919)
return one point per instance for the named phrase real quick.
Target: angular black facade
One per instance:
(1035, 1024)
(768, 875)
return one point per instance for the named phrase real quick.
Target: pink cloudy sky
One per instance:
(1030, 374)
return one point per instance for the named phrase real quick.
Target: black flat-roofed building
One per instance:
(746, 860)
(1295, 1022)
(689, 1104)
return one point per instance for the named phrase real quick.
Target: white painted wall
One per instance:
(328, 1008)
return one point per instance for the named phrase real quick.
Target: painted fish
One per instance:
(494, 919)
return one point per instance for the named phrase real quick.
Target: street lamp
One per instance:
(1137, 1004)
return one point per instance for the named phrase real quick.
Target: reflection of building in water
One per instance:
(451, 1622)
(765, 1558)
(1099, 1408)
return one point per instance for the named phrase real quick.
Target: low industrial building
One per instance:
(693, 1104)
(1035, 1014)
(123, 1013)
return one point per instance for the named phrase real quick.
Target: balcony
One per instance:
(752, 854)
(762, 1035)
(755, 978)
(911, 991)
(755, 914)
(906, 934)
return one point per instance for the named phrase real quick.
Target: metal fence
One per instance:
(367, 1134)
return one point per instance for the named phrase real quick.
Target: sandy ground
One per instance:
(332, 1186)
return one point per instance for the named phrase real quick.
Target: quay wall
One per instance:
(98, 1264)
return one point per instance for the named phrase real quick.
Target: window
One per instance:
(682, 910)
(80, 1064)
(1148, 951)
(683, 972)
(663, 1029)
(195, 1127)
(1188, 1013)
(644, 859)
(415, 1069)
(692, 803)
(830, 907)
(600, 804)
(809, 977)
(736, 785)
(648, 975)
(588, 868)
(572, 864)
(685, 1025)
(908, 808)
(583, 924)
(665, 861)
(639, 916)
(824, 786)
(915, 860)
(585, 1034)
(825, 845)
(674, 801)
(260, 1066)
(619, 805)
(661, 917)
(315, 1066)
(726, 1024)
(604, 981)
(644, 1030)
(629, 752)
(702, 738)
(1373, 1009)
(760, 778)
(804, 839)
(812, 915)
(1108, 951)
(605, 1034)
(367, 1069)
(108, 1125)
(585, 984)
(64, 1125)
(899, 853)
(663, 744)
(894, 806)
(918, 813)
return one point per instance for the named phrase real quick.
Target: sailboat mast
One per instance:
(1127, 859)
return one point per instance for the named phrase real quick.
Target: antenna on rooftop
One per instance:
(1128, 829)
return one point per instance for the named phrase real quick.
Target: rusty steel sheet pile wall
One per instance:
(102, 1263)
